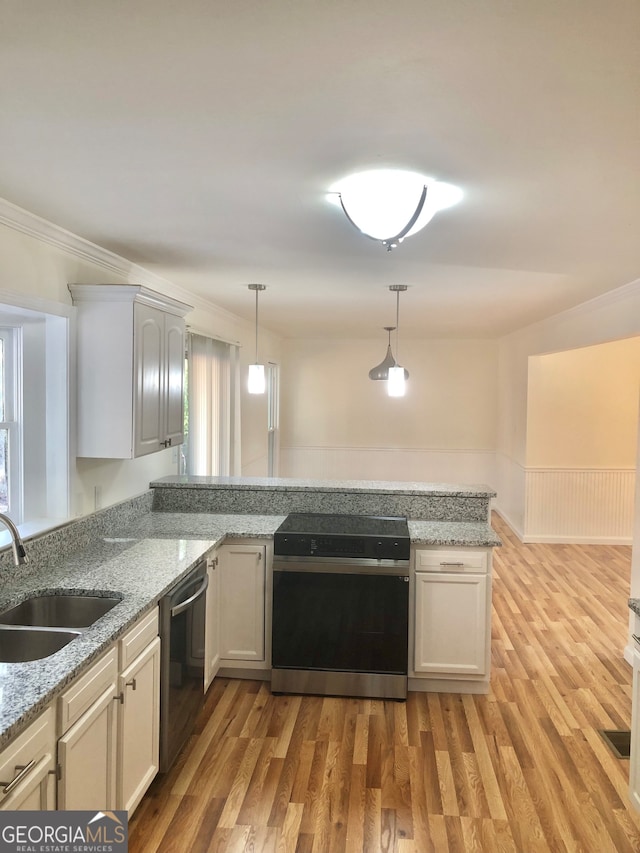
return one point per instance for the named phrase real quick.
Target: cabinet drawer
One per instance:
(451, 561)
(36, 742)
(76, 699)
(137, 638)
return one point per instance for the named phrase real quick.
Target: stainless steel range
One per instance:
(341, 605)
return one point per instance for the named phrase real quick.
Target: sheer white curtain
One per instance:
(213, 386)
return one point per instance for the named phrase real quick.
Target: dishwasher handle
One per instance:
(185, 605)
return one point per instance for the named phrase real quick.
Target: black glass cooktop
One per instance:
(308, 534)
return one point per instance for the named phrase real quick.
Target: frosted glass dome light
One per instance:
(391, 204)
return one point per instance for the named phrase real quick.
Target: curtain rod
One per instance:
(193, 331)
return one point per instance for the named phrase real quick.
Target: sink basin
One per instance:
(24, 644)
(59, 611)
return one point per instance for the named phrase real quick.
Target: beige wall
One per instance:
(583, 407)
(615, 316)
(328, 400)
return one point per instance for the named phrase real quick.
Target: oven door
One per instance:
(349, 617)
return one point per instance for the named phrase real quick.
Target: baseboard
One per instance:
(446, 685)
(510, 523)
(244, 672)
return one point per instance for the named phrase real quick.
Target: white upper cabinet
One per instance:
(130, 370)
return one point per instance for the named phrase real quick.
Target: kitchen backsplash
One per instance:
(453, 507)
(61, 541)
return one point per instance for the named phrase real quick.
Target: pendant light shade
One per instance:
(381, 371)
(256, 384)
(395, 382)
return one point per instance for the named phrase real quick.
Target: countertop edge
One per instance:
(282, 484)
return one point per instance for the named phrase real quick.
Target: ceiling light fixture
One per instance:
(256, 384)
(388, 205)
(397, 374)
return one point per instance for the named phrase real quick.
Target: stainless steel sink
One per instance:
(19, 644)
(59, 611)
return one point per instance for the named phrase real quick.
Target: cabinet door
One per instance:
(451, 623)
(242, 602)
(174, 380)
(138, 727)
(149, 380)
(212, 624)
(87, 758)
(634, 763)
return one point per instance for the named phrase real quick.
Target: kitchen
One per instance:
(475, 377)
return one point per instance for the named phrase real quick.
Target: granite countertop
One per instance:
(469, 534)
(634, 604)
(141, 561)
(178, 481)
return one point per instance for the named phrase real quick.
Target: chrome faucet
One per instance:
(17, 545)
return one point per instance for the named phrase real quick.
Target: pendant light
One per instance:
(381, 371)
(397, 374)
(257, 383)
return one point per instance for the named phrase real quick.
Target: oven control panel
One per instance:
(377, 548)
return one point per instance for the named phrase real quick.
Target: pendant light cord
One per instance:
(397, 325)
(256, 325)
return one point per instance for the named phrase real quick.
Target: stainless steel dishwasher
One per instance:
(182, 621)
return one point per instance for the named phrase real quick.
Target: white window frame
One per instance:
(273, 419)
(11, 337)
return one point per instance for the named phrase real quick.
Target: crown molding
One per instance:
(19, 219)
(603, 300)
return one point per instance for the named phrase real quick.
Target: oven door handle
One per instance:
(185, 605)
(343, 567)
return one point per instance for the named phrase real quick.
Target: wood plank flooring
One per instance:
(521, 770)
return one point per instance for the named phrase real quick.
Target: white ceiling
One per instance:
(197, 138)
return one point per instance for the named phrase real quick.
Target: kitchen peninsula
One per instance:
(140, 548)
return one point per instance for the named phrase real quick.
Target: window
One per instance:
(10, 427)
(212, 443)
(34, 412)
(273, 417)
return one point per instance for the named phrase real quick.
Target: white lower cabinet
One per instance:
(634, 763)
(212, 622)
(452, 614)
(28, 767)
(108, 722)
(87, 744)
(138, 727)
(242, 602)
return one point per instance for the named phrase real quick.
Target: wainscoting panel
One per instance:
(590, 506)
(381, 463)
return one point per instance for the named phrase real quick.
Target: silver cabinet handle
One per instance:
(24, 770)
(131, 684)
(453, 565)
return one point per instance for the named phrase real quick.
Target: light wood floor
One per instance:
(521, 770)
